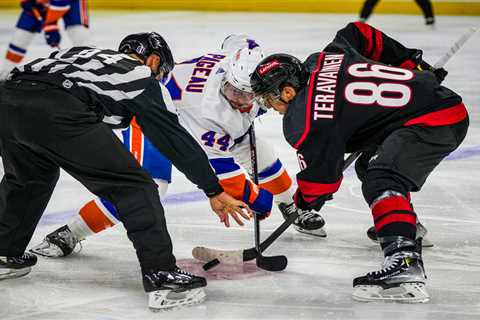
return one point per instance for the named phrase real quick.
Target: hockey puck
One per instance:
(209, 265)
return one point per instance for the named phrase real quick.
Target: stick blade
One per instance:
(274, 263)
(205, 254)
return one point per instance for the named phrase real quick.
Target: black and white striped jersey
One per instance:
(104, 79)
(119, 87)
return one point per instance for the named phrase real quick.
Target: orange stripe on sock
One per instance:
(136, 141)
(278, 185)
(93, 216)
(16, 58)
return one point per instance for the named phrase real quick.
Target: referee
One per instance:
(53, 114)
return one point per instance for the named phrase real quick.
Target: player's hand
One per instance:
(225, 206)
(52, 36)
(26, 5)
(260, 200)
(440, 74)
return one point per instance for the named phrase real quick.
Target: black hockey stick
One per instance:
(270, 263)
(215, 256)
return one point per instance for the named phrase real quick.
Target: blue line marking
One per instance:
(60, 217)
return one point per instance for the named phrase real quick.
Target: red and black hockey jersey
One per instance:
(361, 88)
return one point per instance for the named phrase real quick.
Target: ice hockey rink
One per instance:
(103, 281)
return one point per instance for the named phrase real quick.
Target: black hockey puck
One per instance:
(209, 265)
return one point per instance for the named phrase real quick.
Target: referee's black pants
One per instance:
(43, 129)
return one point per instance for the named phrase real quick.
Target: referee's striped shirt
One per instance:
(117, 86)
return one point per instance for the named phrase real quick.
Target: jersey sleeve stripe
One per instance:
(312, 190)
(224, 165)
(234, 186)
(366, 31)
(377, 52)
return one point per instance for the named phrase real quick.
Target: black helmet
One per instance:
(146, 43)
(275, 72)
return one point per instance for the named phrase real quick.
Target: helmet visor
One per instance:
(267, 99)
(238, 98)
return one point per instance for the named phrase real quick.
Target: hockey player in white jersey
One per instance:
(215, 103)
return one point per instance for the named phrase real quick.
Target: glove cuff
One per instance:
(263, 201)
(50, 27)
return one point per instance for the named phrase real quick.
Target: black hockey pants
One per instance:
(43, 129)
(403, 162)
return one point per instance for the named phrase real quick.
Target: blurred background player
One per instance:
(425, 5)
(367, 91)
(43, 16)
(214, 101)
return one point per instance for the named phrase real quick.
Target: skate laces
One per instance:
(183, 272)
(389, 264)
(395, 261)
(305, 215)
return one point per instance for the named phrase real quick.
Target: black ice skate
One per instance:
(421, 233)
(308, 221)
(59, 243)
(401, 279)
(14, 267)
(170, 289)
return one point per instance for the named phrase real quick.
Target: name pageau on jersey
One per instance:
(222, 131)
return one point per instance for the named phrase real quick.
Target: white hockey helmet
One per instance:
(235, 42)
(236, 85)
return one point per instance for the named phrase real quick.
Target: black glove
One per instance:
(440, 73)
(316, 204)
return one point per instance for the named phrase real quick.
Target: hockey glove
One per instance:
(26, 5)
(259, 200)
(316, 204)
(417, 62)
(52, 36)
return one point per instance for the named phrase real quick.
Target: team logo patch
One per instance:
(264, 68)
(67, 84)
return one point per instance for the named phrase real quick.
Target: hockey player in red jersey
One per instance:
(43, 16)
(365, 91)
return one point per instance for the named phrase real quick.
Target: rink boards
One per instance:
(441, 7)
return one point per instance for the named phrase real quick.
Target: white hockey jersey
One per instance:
(195, 88)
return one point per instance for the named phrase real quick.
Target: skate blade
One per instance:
(412, 292)
(47, 249)
(14, 273)
(320, 232)
(168, 299)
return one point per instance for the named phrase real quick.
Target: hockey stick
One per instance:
(271, 263)
(215, 256)
(455, 47)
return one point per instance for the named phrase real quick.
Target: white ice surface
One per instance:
(103, 281)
